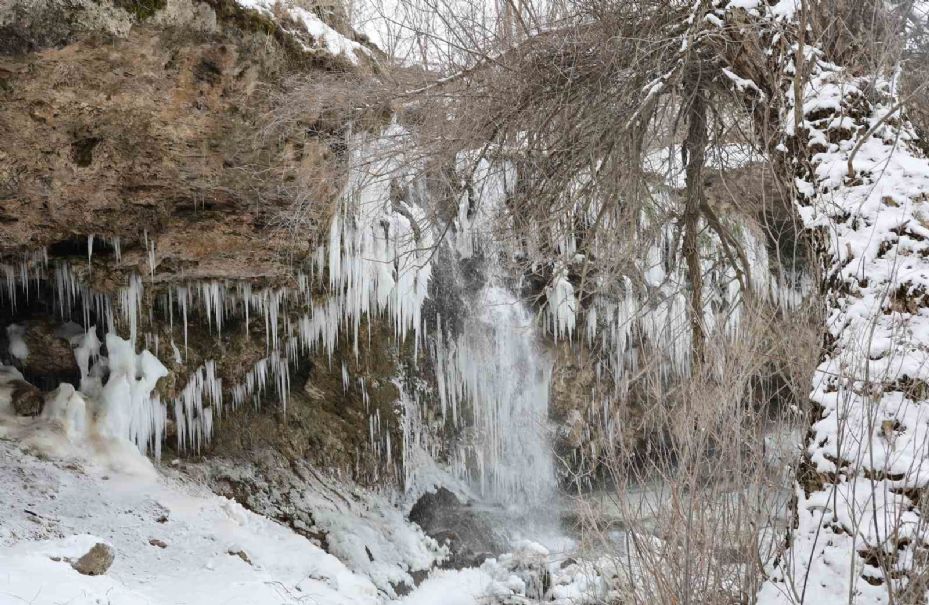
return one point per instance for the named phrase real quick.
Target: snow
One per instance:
(516, 577)
(782, 9)
(466, 587)
(72, 506)
(175, 542)
(741, 84)
(363, 529)
(321, 33)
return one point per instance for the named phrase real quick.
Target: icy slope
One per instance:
(54, 509)
(178, 543)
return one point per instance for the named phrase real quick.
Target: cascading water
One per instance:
(506, 375)
(496, 374)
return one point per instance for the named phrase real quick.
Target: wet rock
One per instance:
(97, 560)
(27, 399)
(469, 537)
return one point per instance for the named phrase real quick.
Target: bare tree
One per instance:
(581, 101)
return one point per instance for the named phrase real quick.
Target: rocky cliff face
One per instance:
(155, 122)
(146, 165)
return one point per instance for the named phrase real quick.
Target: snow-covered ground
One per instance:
(176, 542)
(53, 509)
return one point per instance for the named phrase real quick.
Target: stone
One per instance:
(27, 399)
(51, 360)
(469, 537)
(240, 554)
(96, 561)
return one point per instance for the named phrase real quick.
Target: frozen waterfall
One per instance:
(495, 375)
(500, 366)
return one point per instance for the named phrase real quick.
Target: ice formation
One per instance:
(121, 410)
(494, 379)
(377, 261)
(18, 347)
(128, 407)
(650, 304)
(380, 242)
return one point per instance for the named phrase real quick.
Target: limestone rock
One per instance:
(50, 360)
(33, 25)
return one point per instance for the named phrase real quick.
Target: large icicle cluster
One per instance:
(648, 303)
(378, 262)
(859, 535)
(380, 244)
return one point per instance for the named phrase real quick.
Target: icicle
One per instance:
(130, 300)
(128, 408)
(151, 257)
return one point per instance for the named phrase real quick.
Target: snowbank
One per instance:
(214, 550)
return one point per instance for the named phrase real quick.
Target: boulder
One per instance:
(46, 359)
(96, 561)
(27, 400)
(469, 537)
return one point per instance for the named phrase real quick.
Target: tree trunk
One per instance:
(695, 145)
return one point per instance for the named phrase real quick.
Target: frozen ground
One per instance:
(59, 509)
(178, 543)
